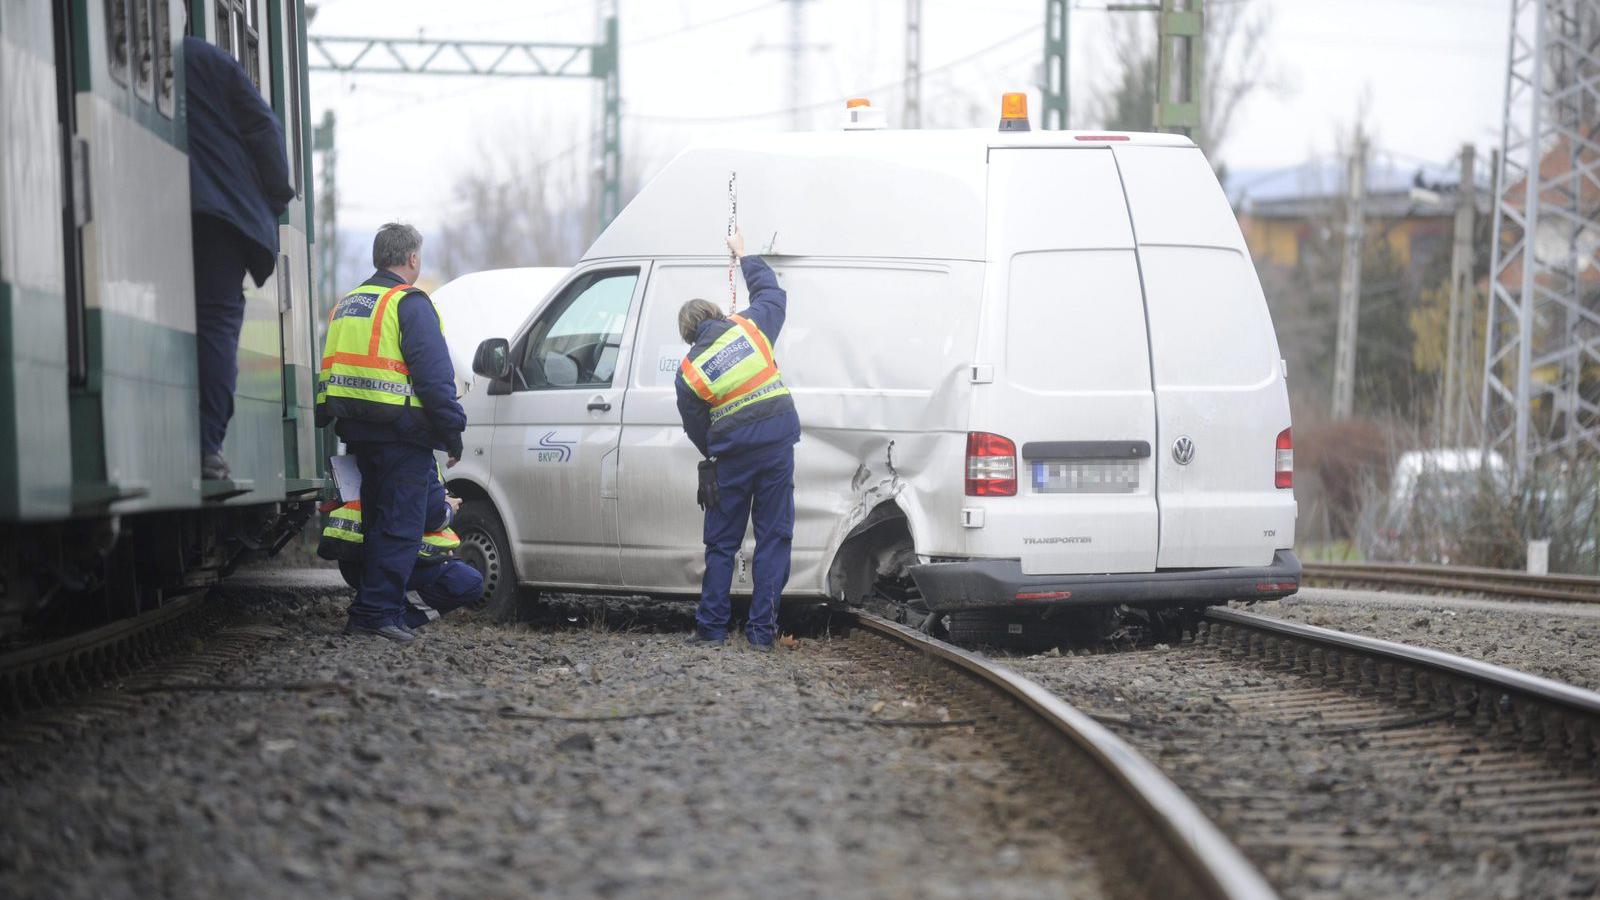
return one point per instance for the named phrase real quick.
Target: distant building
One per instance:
(1291, 213)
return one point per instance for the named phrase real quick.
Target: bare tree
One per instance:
(1236, 66)
(516, 207)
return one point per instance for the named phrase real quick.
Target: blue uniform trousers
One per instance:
(434, 588)
(758, 485)
(395, 479)
(219, 267)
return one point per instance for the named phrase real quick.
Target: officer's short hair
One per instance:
(394, 245)
(692, 315)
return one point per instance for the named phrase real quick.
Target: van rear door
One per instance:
(1221, 398)
(1064, 329)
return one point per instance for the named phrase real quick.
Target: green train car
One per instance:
(103, 513)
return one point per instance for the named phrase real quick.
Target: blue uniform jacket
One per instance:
(768, 307)
(439, 514)
(440, 421)
(237, 169)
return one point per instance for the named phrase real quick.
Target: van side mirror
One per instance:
(493, 359)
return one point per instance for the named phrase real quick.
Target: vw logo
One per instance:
(1183, 450)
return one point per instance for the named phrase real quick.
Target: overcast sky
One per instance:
(1430, 73)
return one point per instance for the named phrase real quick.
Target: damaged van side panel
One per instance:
(885, 426)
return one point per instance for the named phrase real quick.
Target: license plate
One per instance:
(1085, 476)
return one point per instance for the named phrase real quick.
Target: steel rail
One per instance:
(1562, 717)
(42, 674)
(1214, 866)
(1496, 582)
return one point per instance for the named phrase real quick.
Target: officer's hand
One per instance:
(451, 462)
(736, 243)
(455, 504)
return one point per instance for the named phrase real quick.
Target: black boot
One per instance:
(213, 467)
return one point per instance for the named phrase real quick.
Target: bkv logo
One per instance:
(551, 450)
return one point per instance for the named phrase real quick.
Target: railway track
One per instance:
(1166, 846)
(1346, 765)
(1278, 756)
(1498, 583)
(42, 675)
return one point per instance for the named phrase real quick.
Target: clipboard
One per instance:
(346, 477)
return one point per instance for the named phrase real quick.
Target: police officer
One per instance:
(439, 583)
(387, 381)
(238, 187)
(740, 416)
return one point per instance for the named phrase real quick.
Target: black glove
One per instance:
(706, 494)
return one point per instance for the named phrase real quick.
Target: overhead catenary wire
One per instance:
(704, 23)
(1030, 31)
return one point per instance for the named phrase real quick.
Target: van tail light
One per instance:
(1283, 474)
(991, 465)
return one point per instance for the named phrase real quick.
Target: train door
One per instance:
(74, 193)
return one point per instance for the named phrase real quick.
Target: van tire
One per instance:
(484, 546)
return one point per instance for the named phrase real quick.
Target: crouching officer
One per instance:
(388, 383)
(740, 416)
(439, 582)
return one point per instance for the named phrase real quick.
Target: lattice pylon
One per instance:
(1541, 391)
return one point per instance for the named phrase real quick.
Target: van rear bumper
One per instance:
(999, 583)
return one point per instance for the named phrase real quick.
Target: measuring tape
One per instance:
(733, 224)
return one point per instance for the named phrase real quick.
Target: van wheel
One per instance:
(484, 547)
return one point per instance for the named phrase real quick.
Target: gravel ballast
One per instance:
(490, 761)
(1559, 641)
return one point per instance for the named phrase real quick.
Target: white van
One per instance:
(1032, 369)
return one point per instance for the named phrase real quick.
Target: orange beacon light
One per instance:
(1014, 112)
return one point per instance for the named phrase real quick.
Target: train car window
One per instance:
(291, 38)
(117, 38)
(251, 58)
(238, 32)
(144, 61)
(249, 40)
(165, 78)
(222, 26)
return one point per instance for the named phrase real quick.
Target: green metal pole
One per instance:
(1180, 66)
(1054, 90)
(327, 230)
(607, 67)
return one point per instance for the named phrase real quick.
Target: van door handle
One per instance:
(598, 405)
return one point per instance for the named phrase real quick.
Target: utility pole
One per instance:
(501, 59)
(796, 48)
(1054, 87)
(1458, 332)
(1344, 361)
(911, 116)
(797, 63)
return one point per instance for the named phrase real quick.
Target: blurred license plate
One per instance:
(1085, 476)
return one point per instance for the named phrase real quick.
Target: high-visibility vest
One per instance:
(364, 374)
(342, 538)
(736, 374)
